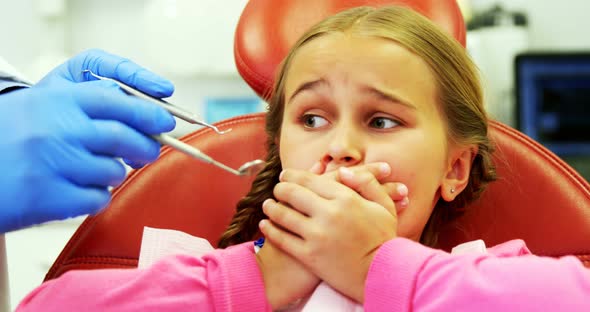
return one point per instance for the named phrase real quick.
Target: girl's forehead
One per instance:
(343, 58)
(351, 44)
(370, 53)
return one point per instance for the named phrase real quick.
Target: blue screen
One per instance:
(553, 101)
(220, 108)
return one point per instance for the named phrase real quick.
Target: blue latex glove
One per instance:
(59, 139)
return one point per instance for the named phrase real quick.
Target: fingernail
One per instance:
(267, 206)
(402, 190)
(384, 169)
(404, 202)
(316, 167)
(281, 175)
(346, 173)
(263, 223)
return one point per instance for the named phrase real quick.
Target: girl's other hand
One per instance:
(332, 228)
(285, 279)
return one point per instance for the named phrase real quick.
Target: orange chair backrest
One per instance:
(268, 28)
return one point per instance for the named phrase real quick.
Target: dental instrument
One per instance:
(248, 168)
(171, 108)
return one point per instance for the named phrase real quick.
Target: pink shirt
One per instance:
(404, 276)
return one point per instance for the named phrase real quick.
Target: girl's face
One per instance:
(352, 100)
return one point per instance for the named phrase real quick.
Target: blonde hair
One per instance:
(459, 94)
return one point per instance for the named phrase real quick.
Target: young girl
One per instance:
(376, 102)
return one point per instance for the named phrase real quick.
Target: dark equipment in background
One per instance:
(553, 104)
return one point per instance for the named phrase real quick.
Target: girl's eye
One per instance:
(383, 123)
(313, 121)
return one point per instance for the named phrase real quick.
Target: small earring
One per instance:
(452, 190)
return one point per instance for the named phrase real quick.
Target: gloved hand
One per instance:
(59, 139)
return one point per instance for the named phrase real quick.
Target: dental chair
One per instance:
(538, 197)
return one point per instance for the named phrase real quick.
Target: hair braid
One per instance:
(244, 224)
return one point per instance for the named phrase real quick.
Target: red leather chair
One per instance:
(538, 197)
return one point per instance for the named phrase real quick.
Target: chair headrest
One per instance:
(268, 28)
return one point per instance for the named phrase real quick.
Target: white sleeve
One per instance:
(10, 77)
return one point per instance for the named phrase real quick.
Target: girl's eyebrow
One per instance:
(382, 94)
(308, 86)
(389, 96)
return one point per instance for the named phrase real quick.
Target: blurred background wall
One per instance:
(189, 42)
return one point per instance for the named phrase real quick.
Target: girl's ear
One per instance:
(458, 172)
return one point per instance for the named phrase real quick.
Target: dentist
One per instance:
(60, 140)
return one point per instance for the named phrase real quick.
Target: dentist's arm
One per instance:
(61, 137)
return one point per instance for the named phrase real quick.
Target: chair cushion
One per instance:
(537, 198)
(175, 192)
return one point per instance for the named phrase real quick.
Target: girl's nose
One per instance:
(345, 148)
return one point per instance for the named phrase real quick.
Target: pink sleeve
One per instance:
(406, 276)
(224, 280)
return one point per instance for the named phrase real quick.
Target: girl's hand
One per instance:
(398, 192)
(285, 279)
(334, 229)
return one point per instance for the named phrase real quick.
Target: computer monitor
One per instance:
(553, 103)
(553, 100)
